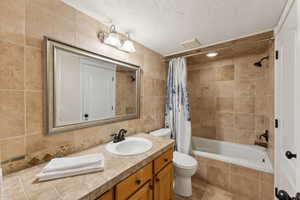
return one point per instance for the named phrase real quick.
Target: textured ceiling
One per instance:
(163, 24)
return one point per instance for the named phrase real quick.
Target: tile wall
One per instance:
(242, 182)
(23, 23)
(231, 99)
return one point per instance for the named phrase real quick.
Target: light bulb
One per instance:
(128, 46)
(113, 40)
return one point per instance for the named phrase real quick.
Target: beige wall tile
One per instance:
(243, 136)
(12, 21)
(259, 122)
(11, 114)
(225, 120)
(225, 88)
(244, 121)
(226, 134)
(206, 90)
(11, 66)
(246, 172)
(207, 75)
(205, 132)
(225, 73)
(225, 104)
(267, 191)
(244, 186)
(33, 69)
(244, 88)
(34, 112)
(39, 23)
(244, 105)
(11, 148)
(218, 176)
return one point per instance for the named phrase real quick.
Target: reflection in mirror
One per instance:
(88, 89)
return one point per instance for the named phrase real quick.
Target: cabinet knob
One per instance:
(138, 181)
(166, 159)
(157, 180)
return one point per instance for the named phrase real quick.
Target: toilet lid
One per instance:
(184, 161)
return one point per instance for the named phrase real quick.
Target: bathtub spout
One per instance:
(265, 135)
(262, 144)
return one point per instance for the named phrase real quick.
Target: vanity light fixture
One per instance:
(112, 39)
(212, 54)
(128, 45)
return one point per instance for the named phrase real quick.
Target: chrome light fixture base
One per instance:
(112, 39)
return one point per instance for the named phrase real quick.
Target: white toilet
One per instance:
(185, 166)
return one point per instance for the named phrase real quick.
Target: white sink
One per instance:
(130, 146)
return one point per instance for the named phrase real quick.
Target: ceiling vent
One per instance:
(190, 44)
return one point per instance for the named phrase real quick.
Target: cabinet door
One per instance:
(163, 184)
(107, 196)
(145, 193)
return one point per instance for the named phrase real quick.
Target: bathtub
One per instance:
(248, 156)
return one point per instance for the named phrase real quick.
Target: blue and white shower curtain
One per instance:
(177, 116)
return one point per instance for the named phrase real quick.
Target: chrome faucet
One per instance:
(120, 136)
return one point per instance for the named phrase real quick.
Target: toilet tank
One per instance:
(164, 132)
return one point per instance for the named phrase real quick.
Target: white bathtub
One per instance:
(250, 156)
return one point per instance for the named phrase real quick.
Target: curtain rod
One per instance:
(222, 48)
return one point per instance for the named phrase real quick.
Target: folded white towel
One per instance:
(70, 166)
(61, 164)
(43, 176)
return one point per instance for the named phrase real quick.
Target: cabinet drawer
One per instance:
(128, 186)
(106, 196)
(163, 160)
(145, 193)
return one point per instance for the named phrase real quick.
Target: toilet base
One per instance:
(183, 186)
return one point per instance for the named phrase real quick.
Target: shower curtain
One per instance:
(177, 116)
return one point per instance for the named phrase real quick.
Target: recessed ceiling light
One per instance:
(212, 54)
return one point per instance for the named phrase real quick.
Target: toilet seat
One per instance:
(184, 161)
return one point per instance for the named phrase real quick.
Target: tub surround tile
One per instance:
(244, 105)
(82, 186)
(244, 121)
(225, 73)
(241, 94)
(241, 182)
(225, 104)
(244, 186)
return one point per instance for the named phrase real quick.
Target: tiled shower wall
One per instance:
(231, 99)
(23, 23)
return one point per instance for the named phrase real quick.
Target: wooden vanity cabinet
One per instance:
(153, 182)
(145, 193)
(163, 184)
(131, 184)
(107, 196)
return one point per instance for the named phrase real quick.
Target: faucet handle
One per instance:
(115, 137)
(122, 133)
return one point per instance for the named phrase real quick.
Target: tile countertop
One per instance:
(22, 185)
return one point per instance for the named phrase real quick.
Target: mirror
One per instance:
(86, 89)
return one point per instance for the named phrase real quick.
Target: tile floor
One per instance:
(204, 191)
